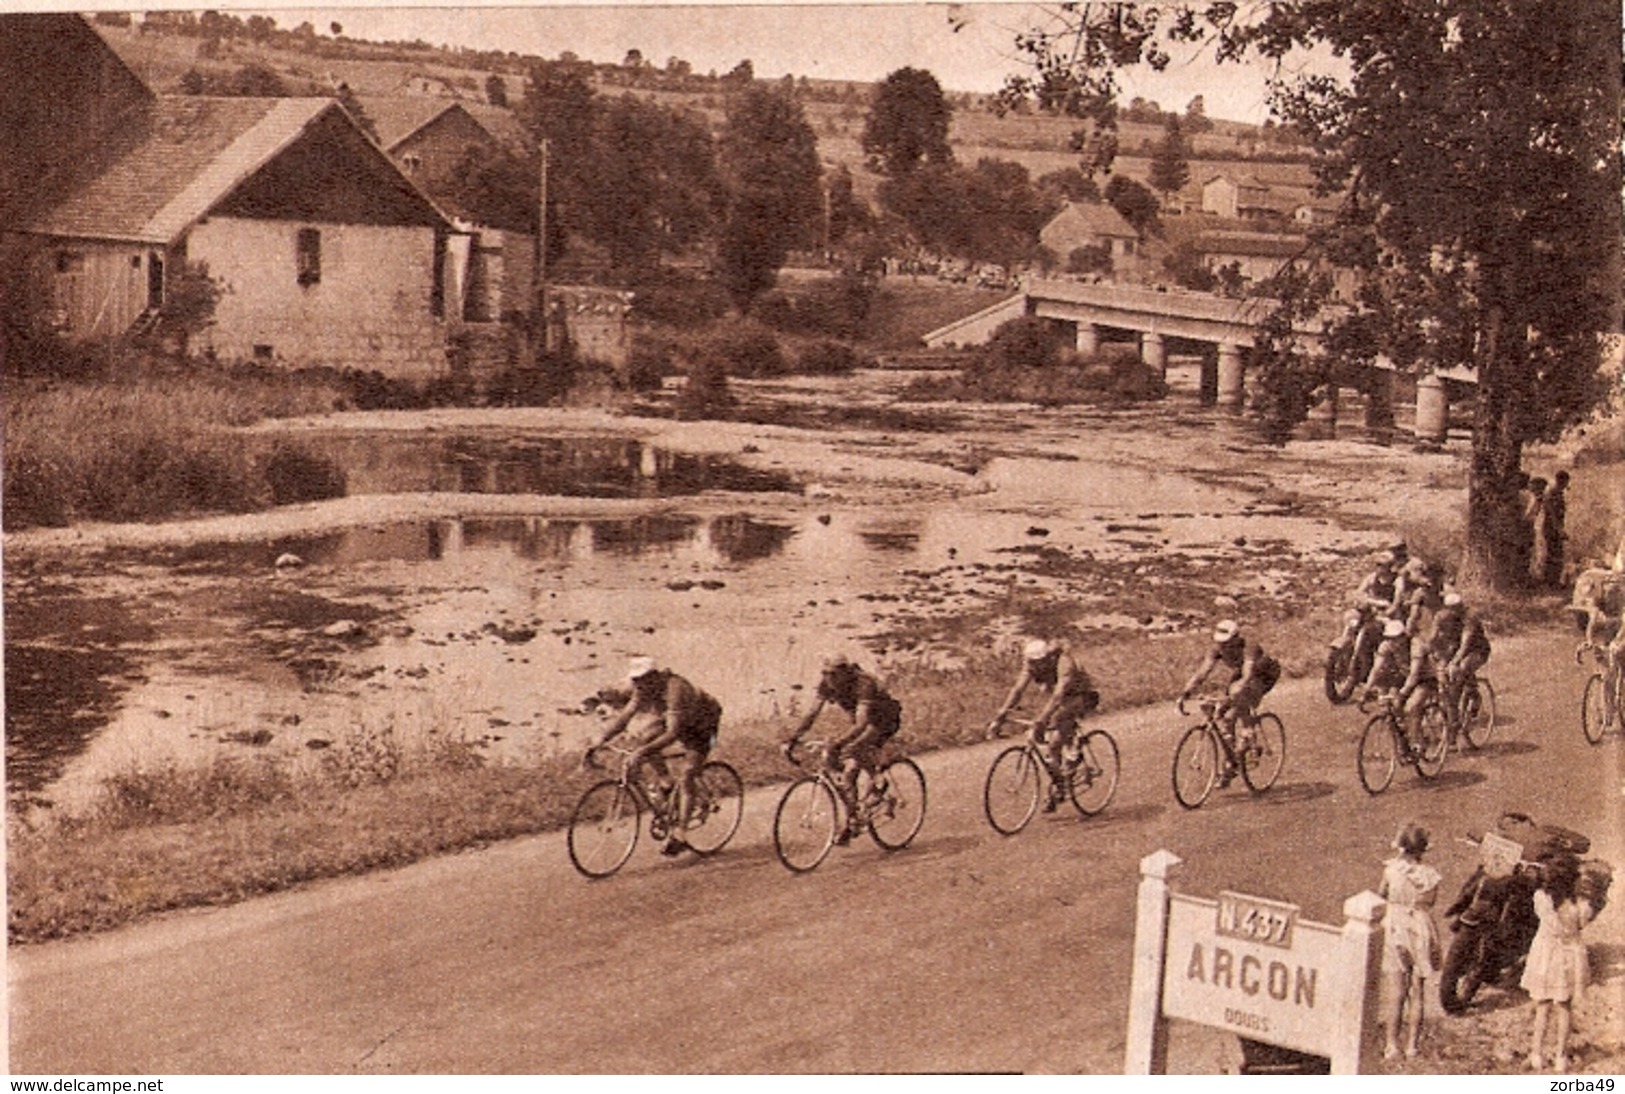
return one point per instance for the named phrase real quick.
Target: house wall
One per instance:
(1219, 196)
(86, 289)
(369, 310)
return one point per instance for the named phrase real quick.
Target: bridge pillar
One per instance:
(1230, 376)
(1379, 405)
(1088, 338)
(1432, 410)
(1154, 353)
(1208, 387)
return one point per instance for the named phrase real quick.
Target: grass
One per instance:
(148, 446)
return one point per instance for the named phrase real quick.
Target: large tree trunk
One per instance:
(1498, 537)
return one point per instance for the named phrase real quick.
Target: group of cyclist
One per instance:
(1430, 637)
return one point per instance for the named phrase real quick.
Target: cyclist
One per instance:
(1456, 646)
(1599, 595)
(1392, 664)
(685, 715)
(1072, 694)
(1252, 674)
(876, 718)
(1417, 592)
(1375, 596)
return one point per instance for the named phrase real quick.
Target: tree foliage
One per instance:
(1170, 161)
(908, 123)
(1137, 204)
(1476, 143)
(988, 213)
(769, 157)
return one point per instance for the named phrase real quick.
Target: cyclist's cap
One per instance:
(1036, 650)
(639, 667)
(836, 661)
(1393, 628)
(1226, 630)
(1451, 598)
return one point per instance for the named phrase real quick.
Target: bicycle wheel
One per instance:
(1196, 766)
(1478, 712)
(1430, 738)
(603, 829)
(1594, 709)
(1262, 759)
(719, 804)
(1094, 780)
(1379, 754)
(804, 827)
(896, 820)
(1010, 796)
(1339, 677)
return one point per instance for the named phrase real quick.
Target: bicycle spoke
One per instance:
(1010, 796)
(1094, 779)
(1196, 766)
(804, 826)
(603, 829)
(896, 819)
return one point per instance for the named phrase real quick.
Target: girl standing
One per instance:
(1555, 973)
(1410, 947)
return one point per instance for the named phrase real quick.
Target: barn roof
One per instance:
(153, 182)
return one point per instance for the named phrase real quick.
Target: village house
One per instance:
(1237, 197)
(437, 142)
(1258, 256)
(1089, 224)
(320, 250)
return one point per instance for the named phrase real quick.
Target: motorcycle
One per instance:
(1493, 917)
(1348, 662)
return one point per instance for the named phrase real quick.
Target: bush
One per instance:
(1028, 342)
(834, 308)
(744, 349)
(1095, 258)
(294, 474)
(828, 358)
(705, 394)
(652, 360)
(678, 300)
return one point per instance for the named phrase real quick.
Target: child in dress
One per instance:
(1410, 946)
(1555, 972)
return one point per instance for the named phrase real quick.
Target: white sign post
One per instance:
(1250, 966)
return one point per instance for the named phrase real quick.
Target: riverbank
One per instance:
(277, 725)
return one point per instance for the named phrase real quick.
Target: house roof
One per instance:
(1095, 218)
(161, 177)
(399, 117)
(1250, 244)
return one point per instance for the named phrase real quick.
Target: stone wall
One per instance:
(369, 308)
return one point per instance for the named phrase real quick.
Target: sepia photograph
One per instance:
(819, 539)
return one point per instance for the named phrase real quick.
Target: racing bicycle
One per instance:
(1601, 708)
(1088, 773)
(1213, 752)
(814, 812)
(1393, 736)
(604, 828)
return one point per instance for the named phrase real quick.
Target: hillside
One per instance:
(314, 64)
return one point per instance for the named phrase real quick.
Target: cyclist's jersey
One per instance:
(1456, 630)
(1233, 656)
(1392, 662)
(1378, 585)
(1075, 684)
(698, 715)
(1601, 591)
(850, 690)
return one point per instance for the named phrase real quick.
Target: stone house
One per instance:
(1237, 197)
(321, 250)
(433, 141)
(1089, 224)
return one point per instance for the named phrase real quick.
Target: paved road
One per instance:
(967, 952)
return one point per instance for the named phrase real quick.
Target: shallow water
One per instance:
(501, 631)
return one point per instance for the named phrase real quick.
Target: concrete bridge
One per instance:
(1219, 329)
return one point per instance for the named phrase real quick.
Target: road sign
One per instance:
(1252, 966)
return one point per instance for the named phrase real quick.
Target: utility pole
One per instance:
(542, 340)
